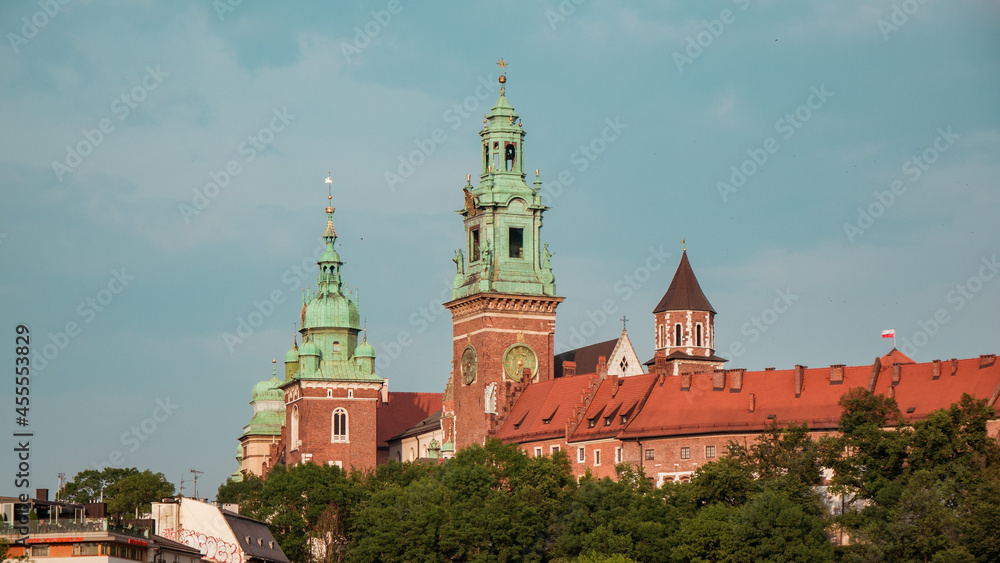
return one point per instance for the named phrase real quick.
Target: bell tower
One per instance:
(504, 298)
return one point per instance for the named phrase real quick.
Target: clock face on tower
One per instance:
(469, 365)
(518, 357)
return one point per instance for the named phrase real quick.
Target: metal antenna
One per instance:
(196, 473)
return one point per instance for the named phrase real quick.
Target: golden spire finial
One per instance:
(683, 245)
(503, 74)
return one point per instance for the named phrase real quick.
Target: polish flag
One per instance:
(889, 333)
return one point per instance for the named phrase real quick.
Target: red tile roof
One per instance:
(606, 411)
(543, 408)
(684, 293)
(404, 410)
(704, 409)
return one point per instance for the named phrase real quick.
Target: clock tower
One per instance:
(504, 298)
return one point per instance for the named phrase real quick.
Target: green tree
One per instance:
(773, 526)
(246, 493)
(136, 492)
(91, 485)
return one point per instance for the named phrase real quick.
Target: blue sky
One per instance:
(832, 167)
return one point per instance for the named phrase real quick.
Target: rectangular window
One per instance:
(685, 453)
(709, 451)
(538, 452)
(555, 449)
(39, 551)
(581, 455)
(618, 455)
(649, 455)
(597, 457)
(516, 242)
(474, 246)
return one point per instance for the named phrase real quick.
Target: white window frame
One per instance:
(618, 455)
(581, 455)
(538, 451)
(597, 457)
(345, 435)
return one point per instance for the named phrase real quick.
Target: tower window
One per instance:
(516, 240)
(509, 156)
(339, 426)
(677, 334)
(474, 244)
(496, 156)
(697, 335)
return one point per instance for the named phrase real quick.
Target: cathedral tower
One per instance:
(331, 390)
(503, 303)
(685, 326)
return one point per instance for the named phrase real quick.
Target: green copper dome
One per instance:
(364, 350)
(267, 390)
(309, 349)
(331, 310)
(292, 356)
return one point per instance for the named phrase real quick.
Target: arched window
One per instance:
(295, 427)
(339, 426)
(697, 335)
(677, 334)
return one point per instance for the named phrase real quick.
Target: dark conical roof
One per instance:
(684, 293)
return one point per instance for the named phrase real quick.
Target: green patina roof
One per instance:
(267, 390)
(364, 350)
(292, 356)
(309, 349)
(265, 423)
(331, 310)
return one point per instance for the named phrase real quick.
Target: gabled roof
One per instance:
(606, 411)
(542, 410)
(403, 410)
(255, 539)
(429, 424)
(684, 293)
(585, 357)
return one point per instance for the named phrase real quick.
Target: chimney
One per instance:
(615, 383)
(799, 372)
(385, 391)
(987, 360)
(660, 366)
(736, 381)
(602, 367)
(897, 370)
(718, 380)
(569, 369)
(753, 402)
(42, 494)
(685, 382)
(936, 370)
(954, 366)
(836, 374)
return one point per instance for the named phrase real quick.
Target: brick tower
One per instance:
(685, 326)
(503, 303)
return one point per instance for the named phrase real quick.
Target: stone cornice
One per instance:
(503, 302)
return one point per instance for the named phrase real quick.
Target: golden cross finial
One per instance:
(502, 64)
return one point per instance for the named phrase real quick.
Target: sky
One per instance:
(832, 168)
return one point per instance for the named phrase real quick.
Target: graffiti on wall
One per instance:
(212, 547)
